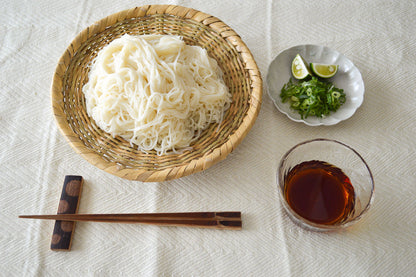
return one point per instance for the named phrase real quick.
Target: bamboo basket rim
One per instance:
(201, 161)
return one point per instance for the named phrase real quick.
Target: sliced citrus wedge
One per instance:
(324, 70)
(300, 68)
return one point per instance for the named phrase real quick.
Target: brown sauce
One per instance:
(319, 192)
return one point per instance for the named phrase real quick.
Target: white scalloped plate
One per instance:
(348, 78)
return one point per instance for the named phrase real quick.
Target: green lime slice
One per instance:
(324, 70)
(300, 69)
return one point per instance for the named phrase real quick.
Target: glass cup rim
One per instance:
(312, 225)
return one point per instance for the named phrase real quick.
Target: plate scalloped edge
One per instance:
(348, 78)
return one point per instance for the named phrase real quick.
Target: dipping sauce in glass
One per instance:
(319, 192)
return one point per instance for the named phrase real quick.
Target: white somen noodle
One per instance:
(155, 91)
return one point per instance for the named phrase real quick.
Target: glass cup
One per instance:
(308, 154)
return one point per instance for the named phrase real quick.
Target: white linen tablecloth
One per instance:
(378, 36)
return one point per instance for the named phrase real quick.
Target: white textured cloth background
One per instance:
(378, 36)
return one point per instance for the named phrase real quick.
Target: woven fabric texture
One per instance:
(378, 36)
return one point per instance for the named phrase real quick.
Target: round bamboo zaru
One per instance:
(114, 154)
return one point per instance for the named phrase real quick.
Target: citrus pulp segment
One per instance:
(300, 69)
(324, 70)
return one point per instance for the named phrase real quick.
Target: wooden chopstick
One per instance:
(215, 220)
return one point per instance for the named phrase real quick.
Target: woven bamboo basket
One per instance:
(116, 155)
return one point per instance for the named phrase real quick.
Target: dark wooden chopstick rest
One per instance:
(63, 230)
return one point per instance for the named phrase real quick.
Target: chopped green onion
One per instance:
(313, 97)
